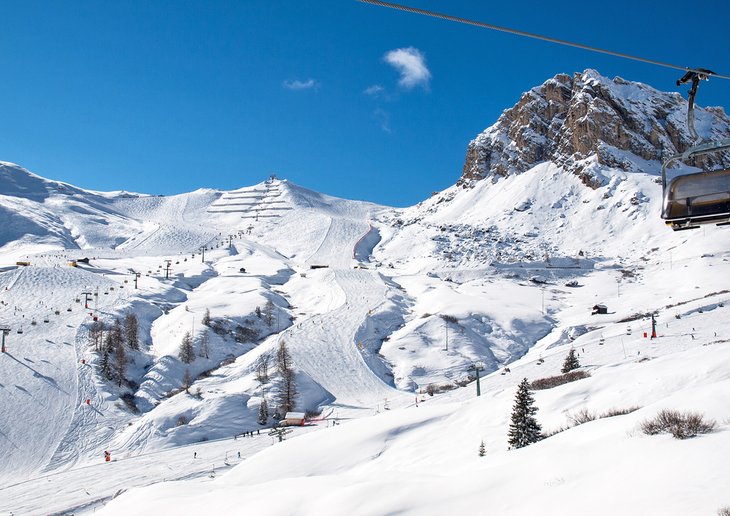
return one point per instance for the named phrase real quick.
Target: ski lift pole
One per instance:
(5, 331)
(477, 367)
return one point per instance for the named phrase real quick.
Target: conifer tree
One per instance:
(131, 331)
(571, 362)
(263, 412)
(482, 450)
(268, 313)
(105, 362)
(120, 361)
(116, 334)
(206, 317)
(186, 353)
(524, 428)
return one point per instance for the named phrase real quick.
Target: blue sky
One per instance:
(345, 98)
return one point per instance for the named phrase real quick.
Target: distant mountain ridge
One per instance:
(585, 122)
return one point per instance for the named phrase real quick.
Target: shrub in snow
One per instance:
(524, 428)
(680, 425)
(554, 381)
(129, 402)
(582, 416)
(571, 362)
(612, 412)
(723, 511)
(245, 334)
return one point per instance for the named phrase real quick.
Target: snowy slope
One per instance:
(379, 307)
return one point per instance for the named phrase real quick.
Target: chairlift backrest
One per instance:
(696, 198)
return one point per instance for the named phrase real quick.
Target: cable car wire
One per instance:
(516, 32)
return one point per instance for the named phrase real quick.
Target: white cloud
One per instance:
(374, 90)
(383, 118)
(411, 64)
(300, 85)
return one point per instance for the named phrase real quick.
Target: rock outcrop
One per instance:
(587, 122)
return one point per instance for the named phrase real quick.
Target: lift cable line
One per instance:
(690, 199)
(516, 32)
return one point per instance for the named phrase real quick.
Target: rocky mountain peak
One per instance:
(586, 122)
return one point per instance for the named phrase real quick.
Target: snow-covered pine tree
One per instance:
(206, 317)
(524, 428)
(117, 334)
(131, 331)
(120, 361)
(105, 362)
(263, 412)
(186, 353)
(571, 362)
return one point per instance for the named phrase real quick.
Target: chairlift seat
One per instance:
(700, 198)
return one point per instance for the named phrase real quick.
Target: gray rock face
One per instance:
(588, 121)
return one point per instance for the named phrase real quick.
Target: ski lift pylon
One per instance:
(701, 197)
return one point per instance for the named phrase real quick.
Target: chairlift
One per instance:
(33, 323)
(68, 309)
(20, 330)
(45, 319)
(701, 197)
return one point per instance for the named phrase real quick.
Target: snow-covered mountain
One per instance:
(383, 310)
(587, 123)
